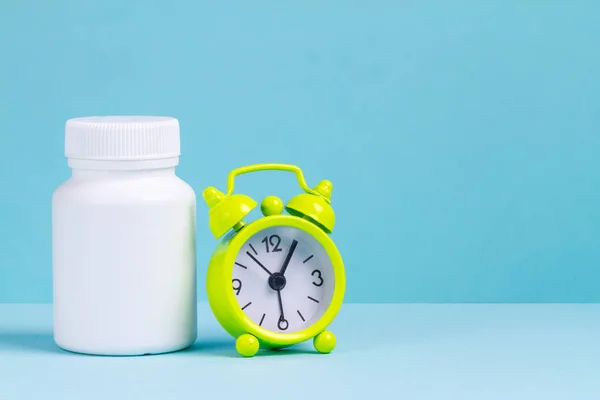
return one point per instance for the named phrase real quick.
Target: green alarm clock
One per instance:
(279, 280)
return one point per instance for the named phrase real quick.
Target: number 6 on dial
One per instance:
(278, 280)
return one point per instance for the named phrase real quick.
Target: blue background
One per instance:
(462, 138)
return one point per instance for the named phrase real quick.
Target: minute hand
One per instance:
(259, 263)
(288, 257)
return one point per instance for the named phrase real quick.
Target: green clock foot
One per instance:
(247, 345)
(324, 342)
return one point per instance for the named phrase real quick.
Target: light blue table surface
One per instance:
(384, 351)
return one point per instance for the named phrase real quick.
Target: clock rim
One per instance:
(224, 303)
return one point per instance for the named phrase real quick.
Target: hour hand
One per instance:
(259, 263)
(290, 253)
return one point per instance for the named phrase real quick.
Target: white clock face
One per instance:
(283, 279)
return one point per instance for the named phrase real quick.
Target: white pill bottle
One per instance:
(124, 240)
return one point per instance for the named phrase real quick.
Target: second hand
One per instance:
(282, 324)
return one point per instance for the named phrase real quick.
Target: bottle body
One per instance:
(124, 262)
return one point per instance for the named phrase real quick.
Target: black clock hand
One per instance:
(281, 317)
(282, 324)
(288, 257)
(259, 263)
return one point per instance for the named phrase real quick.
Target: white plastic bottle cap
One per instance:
(122, 138)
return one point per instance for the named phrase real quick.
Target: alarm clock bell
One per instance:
(314, 208)
(226, 212)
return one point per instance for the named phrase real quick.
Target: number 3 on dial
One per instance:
(319, 278)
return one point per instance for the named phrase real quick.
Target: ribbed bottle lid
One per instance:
(122, 138)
